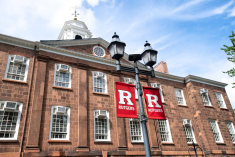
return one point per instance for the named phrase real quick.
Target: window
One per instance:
(99, 82)
(180, 96)
(10, 113)
(220, 100)
(60, 120)
(188, 130)
(101, 125)
(215, 130)
(99, 51)
(131, 81)
(231, 130)
(158, 85)
(17, 68)
(205, 97)
(62, 77)
(135, 130)
(165, 130)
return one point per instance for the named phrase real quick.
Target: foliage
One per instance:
(230, 51)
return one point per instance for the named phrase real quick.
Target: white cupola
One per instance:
(72, 28)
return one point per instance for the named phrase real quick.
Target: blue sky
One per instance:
(187, 34)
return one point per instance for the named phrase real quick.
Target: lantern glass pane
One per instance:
(120, 48)
(112, 49)
(146, 57)
(153, 56)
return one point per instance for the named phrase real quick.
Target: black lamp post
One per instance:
(149, 55)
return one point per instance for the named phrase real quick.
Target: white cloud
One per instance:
(187, 5)
(221, 9)
(206, 14)
(232, 12)
(93, 3)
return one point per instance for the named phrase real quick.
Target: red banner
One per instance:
(153, 103)
(125, 100)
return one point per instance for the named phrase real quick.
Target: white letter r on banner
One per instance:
(151, 101)
(122, 97)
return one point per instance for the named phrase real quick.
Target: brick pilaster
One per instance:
(82, 111)
(35, 118)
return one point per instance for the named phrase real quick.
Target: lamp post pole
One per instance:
(149, 55)
(143, 117)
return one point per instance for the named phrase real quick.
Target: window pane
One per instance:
(189, 133)
(99, 84)
(17, 70)
(179, 96)
(59, 126)
(101, 128)
(215, 130)
(62, 79)
(136, 131)
(164, 130)
(8, 124)
(231, 130)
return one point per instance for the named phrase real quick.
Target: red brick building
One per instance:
(58, 99)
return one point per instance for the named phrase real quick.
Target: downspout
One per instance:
(28, 97)
(193, 120)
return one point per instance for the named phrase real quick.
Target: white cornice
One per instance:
(90, 41)
(205, 81)
(169, 77)
(17, 41)
(61, 51)
(79, 55)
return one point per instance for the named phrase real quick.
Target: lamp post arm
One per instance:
(143, 117)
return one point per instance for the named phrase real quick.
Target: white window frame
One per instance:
(207, 98)
(68, 123)
(169, 131)
(8, 64)
(160, 90)
(70, 72)
(233, 130)
(108, 128)
(136, 92)
(104, 77)
(224, 105)
(141, 131)
(18, 118)
(182, 93)
(217, 126)
(191, 127)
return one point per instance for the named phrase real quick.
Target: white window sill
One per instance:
(58, 87)
(191, 143)
(209, 106)
(182, 105)
(222, 143)
(66, 141)
(103, 142)
(168, 143)
(9, 140)
(223, 108)
(106, 94)
(137, 142)
(14, 81)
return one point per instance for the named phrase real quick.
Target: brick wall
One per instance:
(83, 101)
